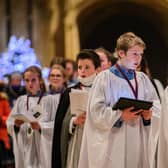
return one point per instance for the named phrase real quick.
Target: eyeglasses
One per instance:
(55, 75)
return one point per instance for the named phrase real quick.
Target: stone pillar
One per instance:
(72, 43)
(19, 18)
(3, 30)
(42, 39)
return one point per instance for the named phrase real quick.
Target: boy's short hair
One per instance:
(91, 55)
(128, 40)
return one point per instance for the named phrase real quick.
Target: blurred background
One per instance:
(60, 28)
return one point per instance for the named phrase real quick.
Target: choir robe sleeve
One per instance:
(65, 137)
(102, 115)
(47, 126)
(100, 134)
(150, 94)
(61, 112)
(56, 146)
(163, 133)
(10, 121)
(19, 138)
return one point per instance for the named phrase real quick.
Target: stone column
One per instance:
(3, 30)
(72, 42)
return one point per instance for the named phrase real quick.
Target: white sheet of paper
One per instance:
(78, 101)
(26, 117)
(30, 116)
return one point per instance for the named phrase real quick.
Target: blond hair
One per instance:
(128, 40)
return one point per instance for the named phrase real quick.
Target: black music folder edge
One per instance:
(124, 103)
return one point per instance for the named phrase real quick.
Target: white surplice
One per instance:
(160, 88)
(163, 135)
(33, 150)
(133, 145)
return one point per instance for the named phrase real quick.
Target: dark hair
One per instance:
(57, 60)
(36, 70)
(91, 55)
(71, 62)
(144, 67)
(2, 86)
(14, 75)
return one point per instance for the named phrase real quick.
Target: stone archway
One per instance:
(101, 25)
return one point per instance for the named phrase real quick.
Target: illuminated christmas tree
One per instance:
(18, 57)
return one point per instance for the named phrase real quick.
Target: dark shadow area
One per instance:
(97, 30)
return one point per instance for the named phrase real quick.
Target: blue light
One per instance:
(18, 57)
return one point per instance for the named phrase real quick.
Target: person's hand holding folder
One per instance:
(35, 125)
(127, 114)
(147, 114)
(80, 119)
(18, 122)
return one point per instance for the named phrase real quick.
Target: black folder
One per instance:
(124, 103)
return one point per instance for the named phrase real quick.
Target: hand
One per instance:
(35, 125)
(80, 120)
(128, 114)
(147, 114)
(18, 123)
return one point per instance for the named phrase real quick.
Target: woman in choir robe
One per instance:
(163, 134)
(121, 138)
(57, 80)
(32, 137)
(68, 128)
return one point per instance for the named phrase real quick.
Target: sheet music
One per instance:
(26, 117)
(30, 116)
(78, 101)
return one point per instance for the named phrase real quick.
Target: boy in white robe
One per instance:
(88, 64)
(69, 125)
(33, 140)
(121, 138)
